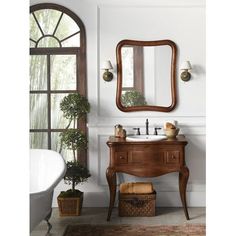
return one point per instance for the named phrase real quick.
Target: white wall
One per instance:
(109, 21)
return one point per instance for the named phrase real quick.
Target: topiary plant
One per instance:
(75, 174)
(74, 106)
(73, 140)
(133, 98)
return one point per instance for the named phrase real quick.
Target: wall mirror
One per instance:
(146, 75)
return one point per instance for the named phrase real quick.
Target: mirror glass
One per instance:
(146, 76)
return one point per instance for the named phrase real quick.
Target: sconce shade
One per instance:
(106, 65)
(186, 66)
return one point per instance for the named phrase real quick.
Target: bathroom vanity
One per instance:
(147, 159)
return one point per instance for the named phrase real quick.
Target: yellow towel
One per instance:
(138, 188)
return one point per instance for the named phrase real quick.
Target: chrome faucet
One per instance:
(147, 123)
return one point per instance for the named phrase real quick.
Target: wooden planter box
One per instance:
(70, 206)
(137, 204)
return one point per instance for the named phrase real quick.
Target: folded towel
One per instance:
(137, 188)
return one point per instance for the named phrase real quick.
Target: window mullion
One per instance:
(36, 20)
(70, 36)
(57, 24)
(49, 99)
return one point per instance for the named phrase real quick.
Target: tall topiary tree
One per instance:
(74, 107)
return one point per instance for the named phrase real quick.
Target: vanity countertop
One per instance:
(179, 139)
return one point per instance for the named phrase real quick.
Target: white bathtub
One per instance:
(47, 168)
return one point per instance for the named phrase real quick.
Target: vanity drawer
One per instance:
(147, 157)
(173, 157)
(121, 158)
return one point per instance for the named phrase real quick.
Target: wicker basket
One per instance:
(137, 204)
(70, 206)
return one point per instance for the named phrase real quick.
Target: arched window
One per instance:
(57, 68)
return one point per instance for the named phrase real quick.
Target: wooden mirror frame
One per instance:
(119, 75)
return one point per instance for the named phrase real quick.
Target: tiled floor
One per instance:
(165, 216)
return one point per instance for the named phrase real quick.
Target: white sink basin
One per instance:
(146, 138)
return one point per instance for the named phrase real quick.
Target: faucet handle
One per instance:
(138, 130)
(155, 130)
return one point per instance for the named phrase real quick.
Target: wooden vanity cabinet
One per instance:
(147, 159)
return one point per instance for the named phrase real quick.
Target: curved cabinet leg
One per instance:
(111, 179)
(183, 180)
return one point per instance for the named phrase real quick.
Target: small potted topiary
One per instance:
(74, 106)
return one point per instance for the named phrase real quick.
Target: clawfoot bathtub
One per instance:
(47, 168)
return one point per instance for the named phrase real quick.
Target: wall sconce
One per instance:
(185, 75)
(107, 75)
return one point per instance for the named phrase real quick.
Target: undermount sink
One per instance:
(146, 138)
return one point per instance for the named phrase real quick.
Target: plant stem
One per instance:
(73, 185)
(66, 129)
(69, 124)
(72, 144)
(74, 155)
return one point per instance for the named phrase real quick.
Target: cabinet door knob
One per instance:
(121, 157)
